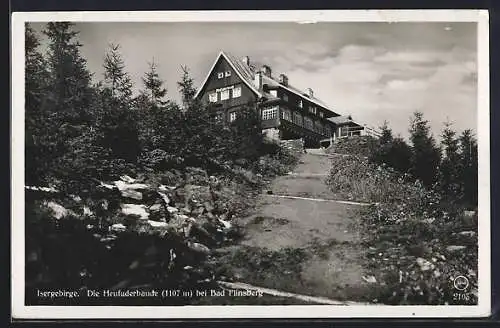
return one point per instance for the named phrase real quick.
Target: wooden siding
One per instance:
(213, 83)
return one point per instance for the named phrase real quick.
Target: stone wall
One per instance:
(295, 145)
(272, 134)
(356, 145)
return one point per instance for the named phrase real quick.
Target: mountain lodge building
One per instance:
(286, 112)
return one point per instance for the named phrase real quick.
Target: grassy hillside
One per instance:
(416, 242)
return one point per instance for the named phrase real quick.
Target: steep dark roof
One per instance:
(242, 70)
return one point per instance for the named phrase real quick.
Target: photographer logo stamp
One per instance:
(461, 283)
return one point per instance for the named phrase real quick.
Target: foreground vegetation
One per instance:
(421, 230)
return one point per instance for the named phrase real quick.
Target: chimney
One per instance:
(258, 80)
(310, 92)
(267, 70)
(284, 79)
(246, 60)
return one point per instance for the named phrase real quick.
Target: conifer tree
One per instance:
(69, 102)
(37, 125)
(154, 88)
(119, 122)
(449, 180)
(426, 155)
(468, 166)
(70, 79)
(187, 89)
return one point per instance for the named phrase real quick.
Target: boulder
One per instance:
(172, 210)
(157, 224)
(58, 211)
(135, 210)
(117, 227)
(131, 190)
(424, 264)
(468, 234)
(455, 248)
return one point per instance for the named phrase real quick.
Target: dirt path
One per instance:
(302, 245)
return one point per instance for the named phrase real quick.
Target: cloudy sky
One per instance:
(373, 71)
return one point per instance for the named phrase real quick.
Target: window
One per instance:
(220, 75)
(224, 95)
(328, 131)
(297, 118)
(237, 92)
(308, 123)
(300, 104)
(232, 116)
(274, 93)
(318, 127)
(228, 73)
(321, 114)
(285, 97)
(343, 131)
(269, 113)
(312, 109)
(285, 114)
(212, 97)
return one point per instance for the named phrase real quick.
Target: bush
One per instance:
(408, 234)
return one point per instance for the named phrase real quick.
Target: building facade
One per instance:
(286, 112)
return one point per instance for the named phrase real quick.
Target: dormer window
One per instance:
(220, 75)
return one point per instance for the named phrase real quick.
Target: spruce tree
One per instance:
(70, 79)
(426, 155)
(37, 123)
(154, 88)
(69, 101)
(119, 123)
(187, 89)
(449, 180)
(468, 166)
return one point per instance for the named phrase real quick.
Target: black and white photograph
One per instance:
(220, 164)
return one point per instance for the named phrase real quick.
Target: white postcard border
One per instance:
(20, 311)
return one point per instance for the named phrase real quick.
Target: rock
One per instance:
(107, 186)
(87, 211)
(226, 224)
(58, 210)
(131, 190)
(172, 210)
(198, 247)
(117, 227)
(468, 234)
(424, 264)
(369, 279)
(128, 193)
(155, 208)
(135, 209)
(127, 179)
(455, 248)
(164, 197)
(156, 224)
